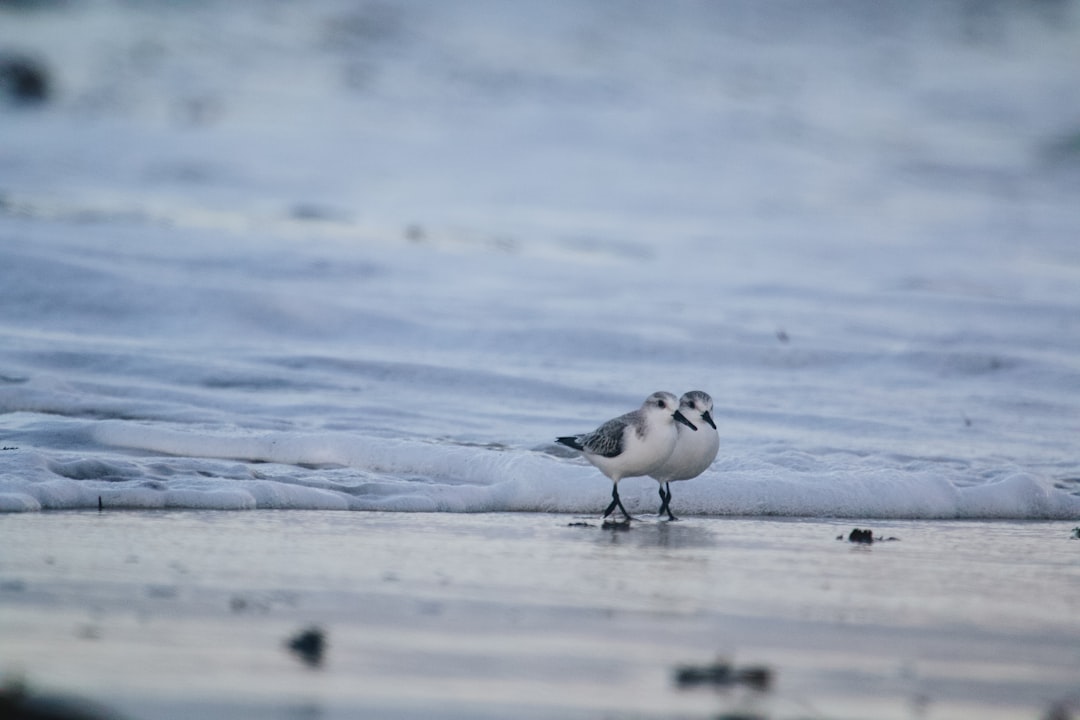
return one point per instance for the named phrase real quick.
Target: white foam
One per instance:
(339, 471)
(18, 502)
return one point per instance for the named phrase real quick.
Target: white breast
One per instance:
(694, 452)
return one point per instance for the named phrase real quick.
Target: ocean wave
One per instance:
(185, 469)
(351, 302)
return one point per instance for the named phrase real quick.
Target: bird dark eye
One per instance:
(660, 404)
(692, 406)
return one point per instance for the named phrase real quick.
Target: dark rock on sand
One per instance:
(19, 702)
(309, 645)
(865, 537)
(23, 79)
(724, 674)
(861, 536)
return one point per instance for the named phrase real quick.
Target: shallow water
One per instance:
(378, 256)
(173, 614)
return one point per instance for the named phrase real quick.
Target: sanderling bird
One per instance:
(694, 451)
(632, 444)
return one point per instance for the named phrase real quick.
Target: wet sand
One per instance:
(183, 614)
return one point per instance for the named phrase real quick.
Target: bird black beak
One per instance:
(682, 418)
(708, 418)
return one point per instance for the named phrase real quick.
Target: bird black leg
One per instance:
(616, 503)
(665, 504)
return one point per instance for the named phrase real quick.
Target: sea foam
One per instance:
(175, 468)
(352, 302)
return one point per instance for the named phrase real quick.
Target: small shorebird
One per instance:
(633, 444)
(694, 451)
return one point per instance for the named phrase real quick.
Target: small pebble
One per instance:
(309, 645)
(723, 674)
(861, 536)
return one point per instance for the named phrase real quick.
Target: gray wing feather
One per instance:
(606, 440)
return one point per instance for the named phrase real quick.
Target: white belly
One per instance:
(694, 452)
(640, 456)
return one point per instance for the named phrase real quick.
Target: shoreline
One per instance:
(161, 613)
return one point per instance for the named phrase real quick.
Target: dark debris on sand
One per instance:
(865, 537)
(18, 701)
(606, 525)
(861, 536)
(309, 645)
(722, 674)
(23, 79)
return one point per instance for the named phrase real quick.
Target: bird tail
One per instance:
(570, 441)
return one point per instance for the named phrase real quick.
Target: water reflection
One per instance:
(664, 534)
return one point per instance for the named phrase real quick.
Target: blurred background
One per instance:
(854, 224)
(746, 122)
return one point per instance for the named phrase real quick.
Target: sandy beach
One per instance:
(184, 614)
